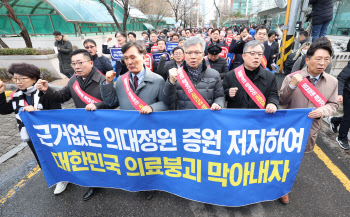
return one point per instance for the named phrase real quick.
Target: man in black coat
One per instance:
(214, 39)
(260, 35)
(215, 61)
(343, 96)
(322, 15)
(101, 62)
(83, 88)
(176, 62)
(64, 48)
(264, 80)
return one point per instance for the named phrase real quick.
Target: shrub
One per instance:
(25, 51)
(44, 74)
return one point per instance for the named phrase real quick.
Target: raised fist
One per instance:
(296, 79)
(232, 91)
(173, 75)
(110, 75)
(42, 85)
(248, 38)
(109, 39)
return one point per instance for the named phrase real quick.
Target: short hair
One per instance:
(175, 35)
(89, 40)
(214, 30)
(321, 44)
(122, 33)
(81, 51)
(161, 40)
(304, 33)
(178, 48)
(25, 69)
(138, 44)
(252, 44)
(194, 41)
(132, 33)
(153, 32)
(145, 33)
(188, 30)
(242, 29)
(55, 33)
(182, 39)
(261, 27)
(271, 33)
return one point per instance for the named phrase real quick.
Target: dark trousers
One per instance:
(31, 146)
(345, 120)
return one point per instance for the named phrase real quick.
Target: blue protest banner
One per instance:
(230, 59)
(116, 53)
(229, 157)
(171, 45)
(157, 56)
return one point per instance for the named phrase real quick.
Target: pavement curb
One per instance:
(12, 152)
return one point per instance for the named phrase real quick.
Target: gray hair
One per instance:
(252, 44)
(194, 41)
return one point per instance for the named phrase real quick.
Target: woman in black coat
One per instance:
(26, 96)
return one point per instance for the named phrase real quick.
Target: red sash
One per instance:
(190, 91)
(207, 62)
(311, 92)
(86, 98)
(250, 87)
(149, 61)
(133, 98)
(264, 62)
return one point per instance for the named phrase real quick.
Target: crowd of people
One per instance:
(194, 63)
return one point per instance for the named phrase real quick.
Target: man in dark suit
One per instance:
(260, 35)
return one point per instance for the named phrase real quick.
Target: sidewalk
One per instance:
(9, 134)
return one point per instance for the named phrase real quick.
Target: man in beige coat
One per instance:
(318, 57)
(291, 97)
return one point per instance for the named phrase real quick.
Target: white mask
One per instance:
(303, 52)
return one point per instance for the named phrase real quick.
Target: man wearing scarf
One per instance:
(205, 80)
(83, 88)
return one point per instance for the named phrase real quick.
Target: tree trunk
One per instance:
(3, 44)
(111, 12)
(24, 32)
(126, 14)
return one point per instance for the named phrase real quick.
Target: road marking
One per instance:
(20, 184)
(334, 169)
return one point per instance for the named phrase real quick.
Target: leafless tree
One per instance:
(126, 8)
(155, 10)
(24, 32)
(181, 8)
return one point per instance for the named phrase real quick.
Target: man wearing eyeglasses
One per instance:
(236, 94)
(312, 87)
(83, 88)
(101, 62)
(260, 35)
(176, 62)
(205, 83)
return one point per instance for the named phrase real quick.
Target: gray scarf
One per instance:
(195, 72)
